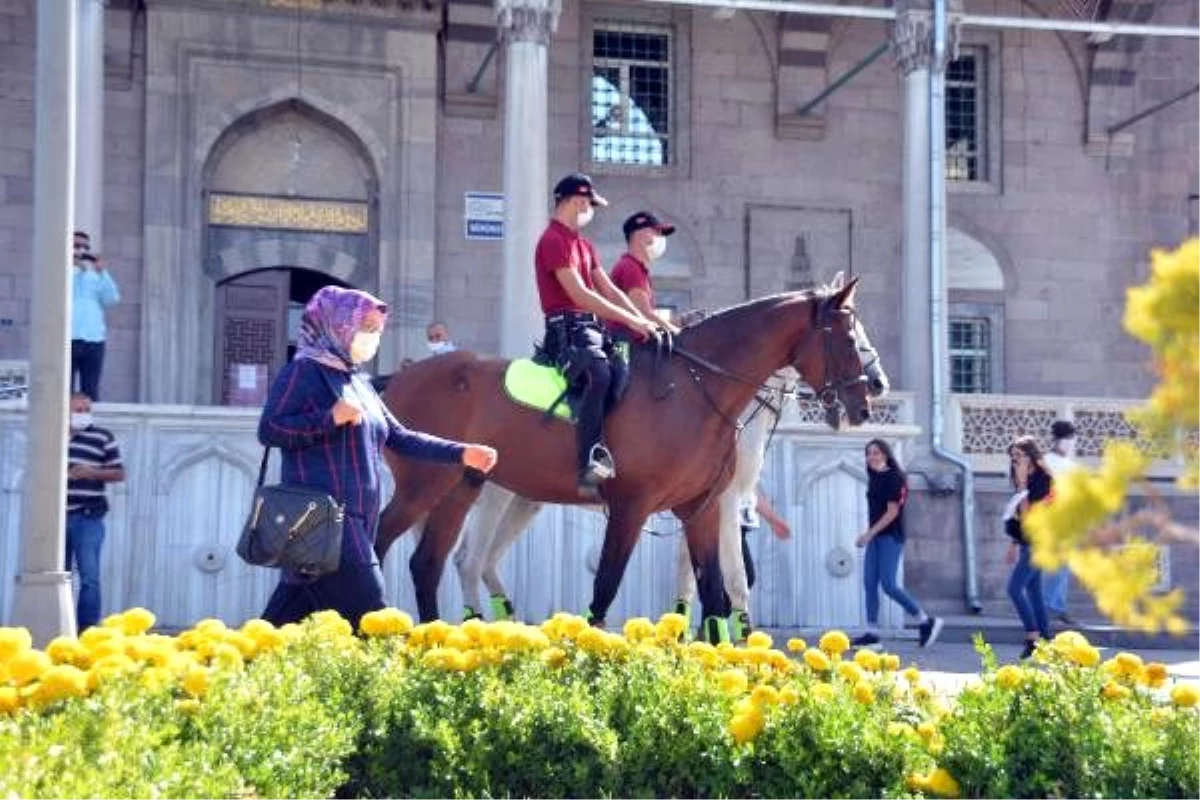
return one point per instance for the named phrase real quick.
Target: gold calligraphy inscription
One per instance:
(278, 212)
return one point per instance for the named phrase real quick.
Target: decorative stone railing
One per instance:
(14, 379)
(982, 426)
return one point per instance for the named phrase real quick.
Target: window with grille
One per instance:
(970, 355)
(966, 128)
(631, 95)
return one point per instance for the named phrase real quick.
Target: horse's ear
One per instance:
(845, 296)
(839, 280)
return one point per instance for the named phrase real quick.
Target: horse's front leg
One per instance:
(516, 520)
(625, 523)
(442, 528)
(418, 487)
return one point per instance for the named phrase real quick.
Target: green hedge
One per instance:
(565, 710)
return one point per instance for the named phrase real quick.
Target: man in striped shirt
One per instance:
(93, 460)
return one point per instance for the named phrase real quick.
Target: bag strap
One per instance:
(262, 468)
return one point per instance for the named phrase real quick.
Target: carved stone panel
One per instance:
(794, 247)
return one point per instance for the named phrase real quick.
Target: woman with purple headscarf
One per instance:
(330, 425)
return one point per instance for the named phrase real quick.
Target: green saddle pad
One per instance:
(536, 386)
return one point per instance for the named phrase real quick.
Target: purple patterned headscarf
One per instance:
(330, 320)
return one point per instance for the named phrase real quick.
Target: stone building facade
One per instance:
(256, 149)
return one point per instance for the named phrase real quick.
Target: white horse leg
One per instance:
(751, 453)
(476, 540)
(515, 521)
(685, 581)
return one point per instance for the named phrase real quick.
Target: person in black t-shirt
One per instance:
(887, 491)
(1029, 475)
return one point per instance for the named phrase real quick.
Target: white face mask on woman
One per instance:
(657, 248)
(364, 346)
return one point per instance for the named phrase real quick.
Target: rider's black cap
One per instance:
(578, 185)
(644, 219)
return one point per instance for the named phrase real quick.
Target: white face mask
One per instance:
(81, 420)
(657, 248)
(1067, 447)
(585, 217)
(364, 346)
(437, 348)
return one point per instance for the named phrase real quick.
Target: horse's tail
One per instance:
(380, 382)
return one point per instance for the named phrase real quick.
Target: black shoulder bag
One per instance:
(292, 527)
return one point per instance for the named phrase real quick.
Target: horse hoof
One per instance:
(502, 608)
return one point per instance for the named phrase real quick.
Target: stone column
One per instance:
(89, 120)
(525, 27)
(912, 47)
(42, 600)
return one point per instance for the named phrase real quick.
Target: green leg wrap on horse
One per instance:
(739, 625)
(502, 607)
(470, 613)
(591, 618)
(684, 609)
(714, 630)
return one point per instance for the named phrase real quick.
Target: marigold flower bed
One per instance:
(563, 709)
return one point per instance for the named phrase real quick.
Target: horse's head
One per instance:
(877, 379)
(831, 361)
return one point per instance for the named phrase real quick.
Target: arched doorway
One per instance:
(291, 205)
(257, 324)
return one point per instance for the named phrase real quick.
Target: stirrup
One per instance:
(502, 607)
(714, 630)
(600, 466)
(739, 625)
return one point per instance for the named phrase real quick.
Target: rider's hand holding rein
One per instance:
(480, 457)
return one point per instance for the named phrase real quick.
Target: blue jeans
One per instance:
(85, 535)
(882, 562)
(1054, 590)
(1025, 589)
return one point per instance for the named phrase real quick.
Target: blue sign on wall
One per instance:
(483, 216)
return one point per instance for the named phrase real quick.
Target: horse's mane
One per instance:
(754, 304)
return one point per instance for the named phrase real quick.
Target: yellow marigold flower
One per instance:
(10, 700)
(917, 781)
(27, 666)
(733, 682)
(927, 730)
(1156, 675)
(824, 691)
(1084, 655)
(475, 627)
(437, 630)
(671, 627)
(816, 660)
(1069, 639)
(66, 650)
(765, 695)
(573, 625)
(850, 672)
(457, 640)
(14, 641)
(890, 661)
(868, 660)
(211, 626)
(554, 657)
(789, 696)
(132, 622)
(759, 640)
(95, 635)
(797, 645)
(834, 643)
(900, 729)
(384, 622)
(912, 675)
(226, 656)
(1009, 676)
(111, 647)
(779, 661)
(864, 693)
(1129, 664)
(60, 682)
(196, 681)
(922, 692)
(943, 784)
(1185, 695)
(638, 628)
(1114, 691)
(265, 635)
(744, 727)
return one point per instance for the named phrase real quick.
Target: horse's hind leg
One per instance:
(516, 519)
(476, 540)
(703, 528)
(624, 526)
(441, 532)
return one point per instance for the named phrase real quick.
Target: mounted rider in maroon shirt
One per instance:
(576, 294)
(646, 242)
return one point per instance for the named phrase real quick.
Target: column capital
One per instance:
(912, 34)
(527, 20)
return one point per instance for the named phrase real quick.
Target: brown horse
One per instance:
(672, 437)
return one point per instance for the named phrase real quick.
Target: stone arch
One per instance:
(237, 119)
(190, 458)
(974, 240)
(272, 253)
